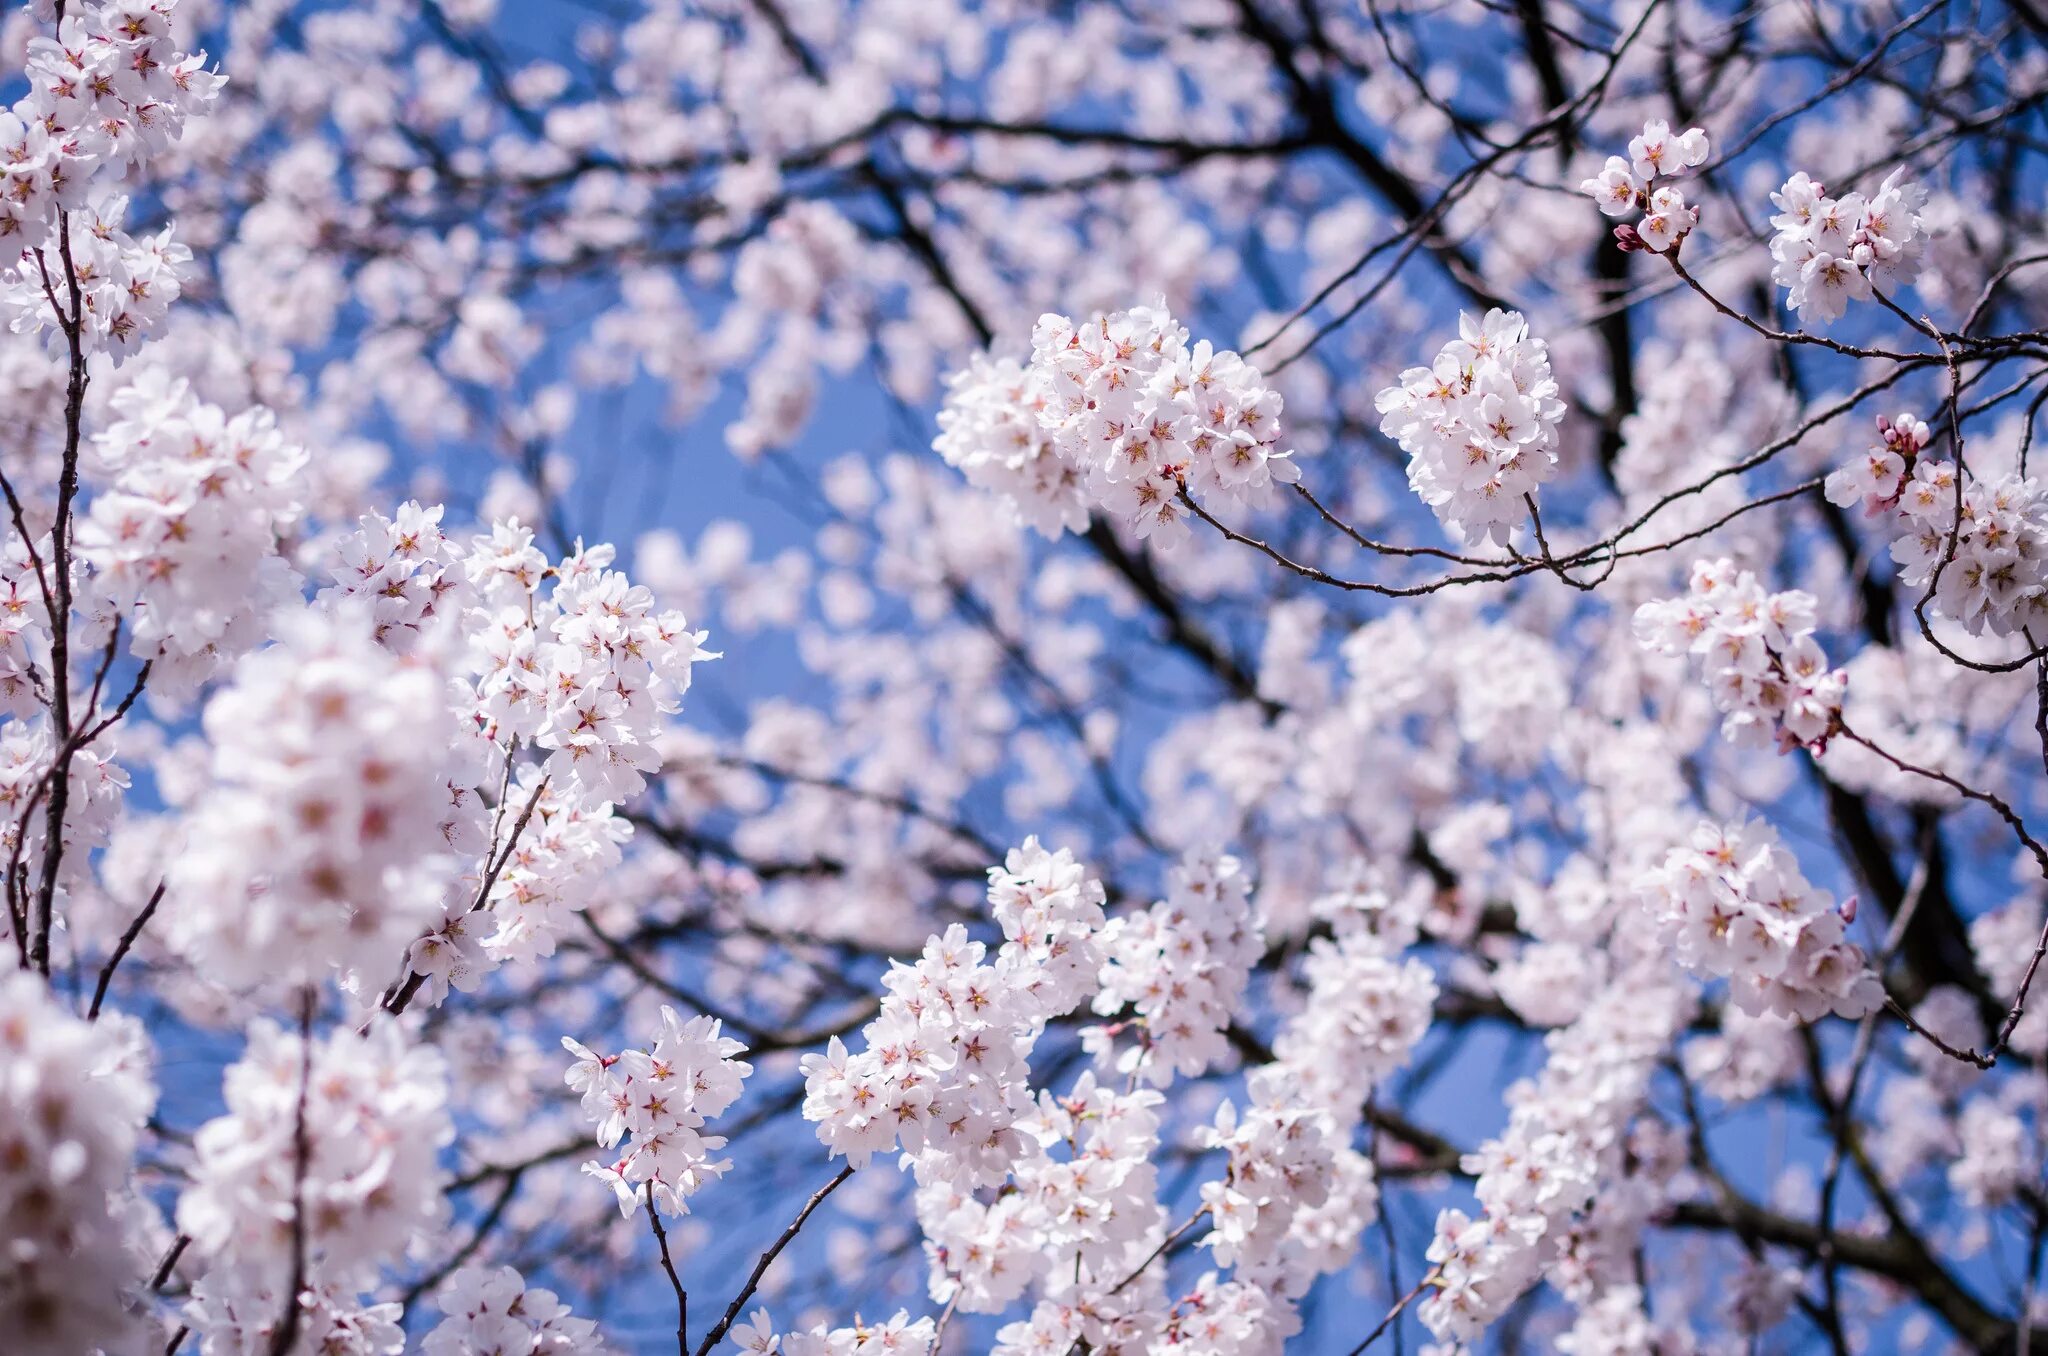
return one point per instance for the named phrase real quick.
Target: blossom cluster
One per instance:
(1733, 904)
(1831, 251)
(991, 428)
(109, 90)
(1365, 1014)
(309, 849)
(1094, 1215)
(587, 676)
(327, 1154)
(586, 669)
(183, 533)
(1748, 1057)
(98, 786)
(945, 1072)
(1479, 425)
(1082, 1212)
(899, 1336)
(1766, 672)
(1076, 1213)
(1981, 547)
(1050, 910)
(73, 1099)
(125, 286)
(1497, 686)
(1180, 969)
(663, 1097)
(1625, 187)
(1279, 1160)
(407, 684)
(1295, 1197)
(1877, 481)
(24, 629)
(1564, 1141)
(494, 1310)
(1074, 1209)
(1226, 1318)
(544, 879)
(1617, 1324)
(408, 573)
(106, 92)
(1127, 413)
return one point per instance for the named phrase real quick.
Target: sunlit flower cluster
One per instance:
(1565, 1139)
(586, 670)
(898, 1336)
(73, 1099)
(108, 91)
(1732, 904)
(662, 1097)
(1763, 667)
(313, 846)
(1479, 425)
(991, 428)
(1645, 182)
(1127, 414)
(324, 1167)
(1981, 548)
(1179, 969)
(1831, 251)
(497, 1311)
(184, 531)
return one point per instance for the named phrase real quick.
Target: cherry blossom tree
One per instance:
(916, 676)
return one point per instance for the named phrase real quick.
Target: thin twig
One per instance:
(99, 992)
(59, 775)
(732, 1311)
(1161, 1250)
(1428, 1279)
(287, 1334)
(414, 981)
(169, 1262)
(675, 1281)
(946, 1318)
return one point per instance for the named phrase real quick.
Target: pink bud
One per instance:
(1625, 236)
(1849, 909)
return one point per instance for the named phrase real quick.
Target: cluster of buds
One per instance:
(1879, 477)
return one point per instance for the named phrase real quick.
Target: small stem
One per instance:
(946, 1317)
(732, 1311)
(169, 1263)
(414, 981)
(99, 992)
(675, 1281)
(1164, 1244)
(58, 801)
(1428, 1279)
(287, 1334)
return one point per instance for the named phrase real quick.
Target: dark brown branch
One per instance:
(675, 1281)
(287, 1334)
(134, 930)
